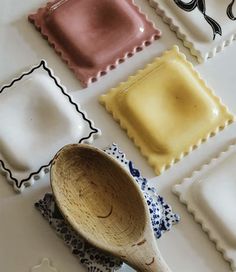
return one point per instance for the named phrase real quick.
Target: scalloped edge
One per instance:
(19, 186)
(187, 42)
(101, 72)
(179, 189)
(192, 147)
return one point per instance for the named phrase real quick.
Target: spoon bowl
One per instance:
(104, 204)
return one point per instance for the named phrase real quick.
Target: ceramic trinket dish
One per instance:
(167, 109)
(210, 196)
(38, 117)
(161, 213)
(92, 36)
(205, 27)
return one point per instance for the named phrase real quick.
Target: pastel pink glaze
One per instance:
(93, 34)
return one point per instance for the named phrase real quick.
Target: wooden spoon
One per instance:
(104, 204)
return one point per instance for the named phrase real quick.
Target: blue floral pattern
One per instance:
(161, 214)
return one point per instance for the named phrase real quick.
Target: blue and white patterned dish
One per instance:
(161, 213)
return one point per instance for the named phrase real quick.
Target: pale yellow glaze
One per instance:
(167, 109)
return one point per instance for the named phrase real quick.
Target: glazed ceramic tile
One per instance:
(206, 27)
(38, 117)
(167, 109)
(162, 218)
(210, 196)
(92, 36)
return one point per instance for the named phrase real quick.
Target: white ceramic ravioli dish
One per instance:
(38, 117)
(205, 27)
(210, 195)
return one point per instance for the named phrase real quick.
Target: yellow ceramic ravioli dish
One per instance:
(167, 109)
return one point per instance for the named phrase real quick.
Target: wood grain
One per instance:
(104, 204)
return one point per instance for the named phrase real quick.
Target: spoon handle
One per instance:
(146, 257)
(159, 264)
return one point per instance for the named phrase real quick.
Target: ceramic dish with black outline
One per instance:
(38, 117)
(205, 27)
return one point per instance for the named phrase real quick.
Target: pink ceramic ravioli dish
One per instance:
(93, 37)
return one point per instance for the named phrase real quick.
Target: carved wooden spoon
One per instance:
(104, 204)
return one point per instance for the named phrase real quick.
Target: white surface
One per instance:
(25, 236)
(45, 266)
(210, 196)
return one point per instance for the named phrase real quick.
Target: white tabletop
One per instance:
(25, 238)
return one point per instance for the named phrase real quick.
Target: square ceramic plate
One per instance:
(210, 195)
(38, 117)
(206, 27)
(92, 36)
(167, 109)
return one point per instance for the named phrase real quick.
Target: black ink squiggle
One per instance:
(93, 130)
(201, 5)
(229, 11)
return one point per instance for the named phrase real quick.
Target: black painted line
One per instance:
(94, 130)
